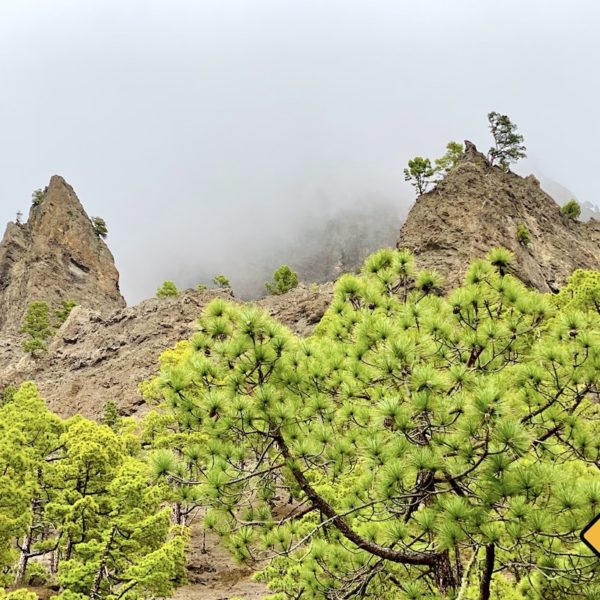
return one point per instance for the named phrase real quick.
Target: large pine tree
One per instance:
(414, 447)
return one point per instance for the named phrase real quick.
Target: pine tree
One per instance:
(168, 288)
(36, 324)
(508, 144)
(419, 173)
(111, 416)
(582, 292)
(446, 163)
(523, 235)
(32, 436)
(571, 210)
(37, 197)
(425, 444)
(221, 281)
(81, 497)
(63, 311)
(100, 228)
(134, 551)
(284, 280)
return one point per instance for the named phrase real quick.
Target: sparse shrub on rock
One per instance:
(571, 210)
(168, 288)
(221, 281)
(100, 227)
(523, 234)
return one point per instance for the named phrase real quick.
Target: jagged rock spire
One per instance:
(55, 256)
(477, 207)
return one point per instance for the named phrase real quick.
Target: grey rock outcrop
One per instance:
(477, 207)
(55, 256)
(95, 358)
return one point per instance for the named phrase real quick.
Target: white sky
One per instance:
(202, 130)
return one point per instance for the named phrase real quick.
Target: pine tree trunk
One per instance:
(488, 571)
(69, 548)
(176, 515)
(54, 562)
(444, 574)
(23, 559)
(95, 590)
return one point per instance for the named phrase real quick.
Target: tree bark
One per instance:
(95, 590)
(23, 559)
(434, 560)
(488, 571)
(443, 572)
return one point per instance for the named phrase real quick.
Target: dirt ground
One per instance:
(214, 575)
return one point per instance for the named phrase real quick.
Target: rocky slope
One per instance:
(104, 350)
(478, 206)
(55, 256)
(95, 358)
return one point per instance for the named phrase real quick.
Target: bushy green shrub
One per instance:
(582, 291)
(168, 288)
(284, 280)
(63, 311)
(111, 415)
(523, 235)
(36, 325)
(221, 281)
(8, 393)
(572, 210)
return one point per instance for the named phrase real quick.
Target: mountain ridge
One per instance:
(478, 206)
(105, 349)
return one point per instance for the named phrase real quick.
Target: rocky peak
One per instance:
(55, 256)
(478, 206)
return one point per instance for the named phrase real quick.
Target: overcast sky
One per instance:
(202, 130)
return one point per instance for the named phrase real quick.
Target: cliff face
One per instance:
(55, 256)
(477, 207)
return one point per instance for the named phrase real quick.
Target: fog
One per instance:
(215, 134)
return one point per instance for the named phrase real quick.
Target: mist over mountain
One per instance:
(320, 248)
(202, 132)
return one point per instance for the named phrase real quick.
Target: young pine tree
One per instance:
(36, 325)
(523, 235)
(284, 280)
(221, 281)
(419, 173)
(571, 210)
(100, 227)
(168, 288)
(446, 163)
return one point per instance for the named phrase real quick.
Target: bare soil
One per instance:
(214, 575)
